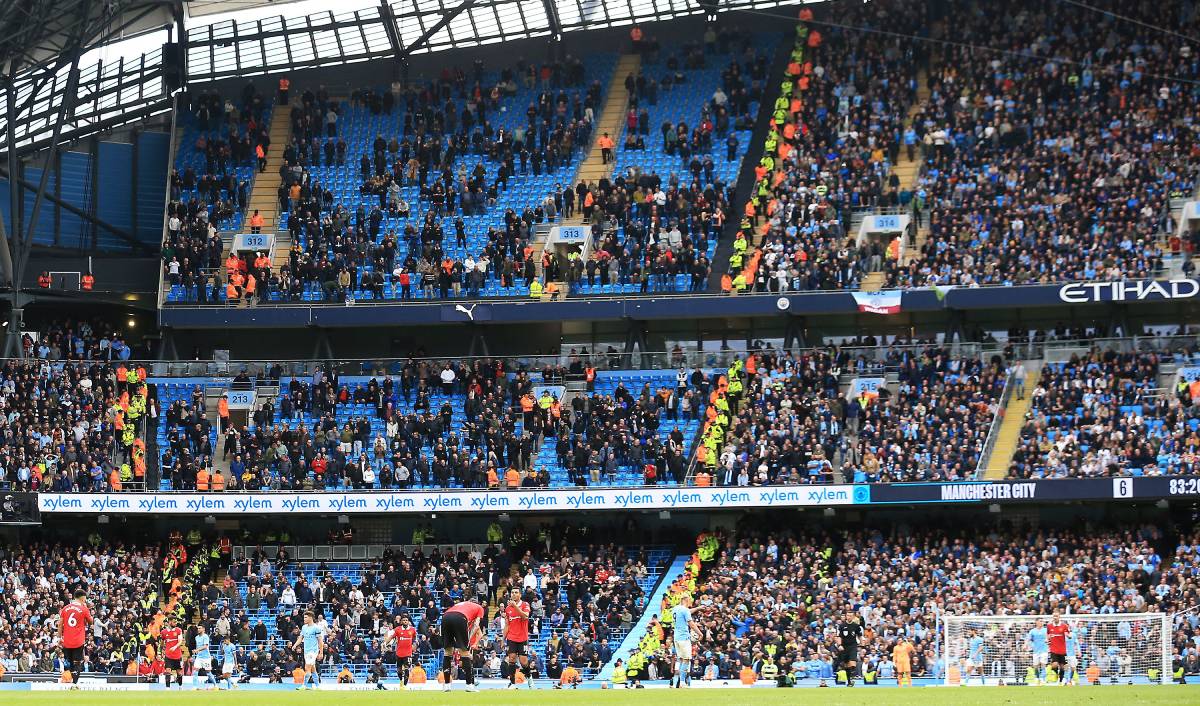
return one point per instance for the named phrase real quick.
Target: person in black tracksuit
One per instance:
(849, 632)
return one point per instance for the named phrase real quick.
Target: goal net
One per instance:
(1020, 649)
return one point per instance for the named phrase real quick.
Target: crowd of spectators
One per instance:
(1049, 147)
(449, 155)
(1054, 162)
(777, 598)
(79, 339)
(38, 579)
(656, 232)
(408, 230)
(790, 421)
(226, 137)
(1177, 586)
(473, 424)
(1102, 414)
(72, 426)
(835, 137)
(578, 599)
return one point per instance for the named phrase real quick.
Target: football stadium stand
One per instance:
(445, 425)
(1013, 187)
(581, 602)
(768, 602)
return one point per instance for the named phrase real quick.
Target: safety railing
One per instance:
(989, 444)
(167, 194)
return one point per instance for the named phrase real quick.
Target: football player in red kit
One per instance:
(73, 622)
(403, 636)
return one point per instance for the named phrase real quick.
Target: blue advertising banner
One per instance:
(619, 499)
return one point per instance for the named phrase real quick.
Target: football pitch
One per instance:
(864, 696)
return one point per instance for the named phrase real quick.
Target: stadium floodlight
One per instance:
(1116, 648)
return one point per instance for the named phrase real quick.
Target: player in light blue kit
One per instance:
(1038, 643)
(975, 647)
(681, 616)
(310, 640)
(1071, 671)
(202, 658)
(228, 662)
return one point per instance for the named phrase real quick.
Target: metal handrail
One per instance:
(654, 360)
(989, 444)
(167, 195)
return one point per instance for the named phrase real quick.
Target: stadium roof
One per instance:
(228, 38)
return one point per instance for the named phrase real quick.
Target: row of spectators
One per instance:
(459, 424)
(210, 181)
(79, 339)
(773, 601)
(790, 422)
(1052, 163)
(578, 599)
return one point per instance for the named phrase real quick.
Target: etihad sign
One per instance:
(1122, 290)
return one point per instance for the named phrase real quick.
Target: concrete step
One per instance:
(1009, 435)
(874, 281)
(914, 252)
(612, 117)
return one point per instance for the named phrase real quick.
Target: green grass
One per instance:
(862, 696)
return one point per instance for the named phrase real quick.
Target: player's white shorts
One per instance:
(1072, 662)
(683, 649)
(1041, 658)
(310, 659)
(975, 663)
(202, 663)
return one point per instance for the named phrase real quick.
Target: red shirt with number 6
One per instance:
(74, 619)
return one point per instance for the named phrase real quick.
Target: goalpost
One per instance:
(1116, 648)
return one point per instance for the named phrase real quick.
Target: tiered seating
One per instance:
(261, 602)
(779, 593)
(792, 423)
(682, 138)
(935, 426)
(1099, 415)
(185, 434)
(349, 219)
(385, 433)
(219, 147)
(832, 149)
(215, 163)
(628, 470)
(1031, 170)
(708, 97)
